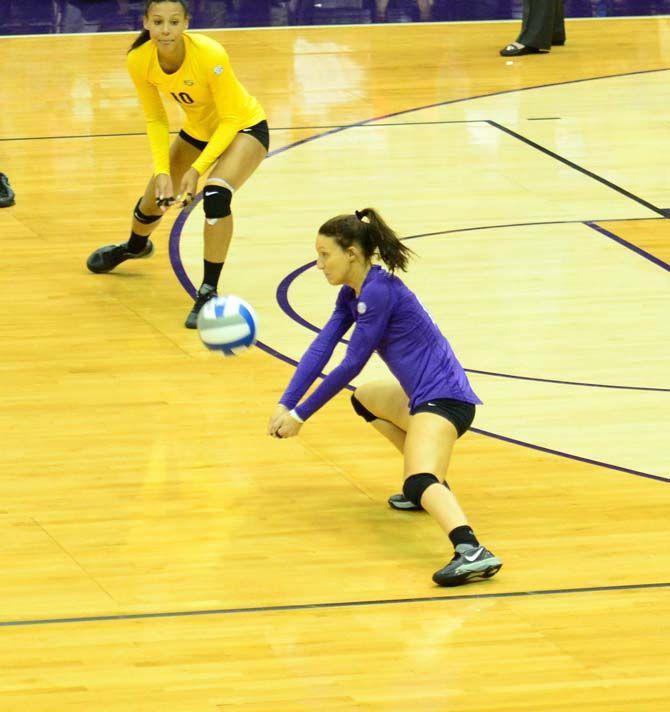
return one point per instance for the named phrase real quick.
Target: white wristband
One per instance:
(295, 416)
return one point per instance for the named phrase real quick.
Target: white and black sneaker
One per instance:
(470, 563)
(399, 501)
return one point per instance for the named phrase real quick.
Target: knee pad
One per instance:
(416, 485)
(362, 410)
(217, 202)
(142, 218)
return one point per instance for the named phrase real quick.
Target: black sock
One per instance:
(463, 535)
(212, 273)
(137, 243)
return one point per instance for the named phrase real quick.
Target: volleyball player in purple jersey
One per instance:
(425, 411)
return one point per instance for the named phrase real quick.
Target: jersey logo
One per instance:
(218, 69)
(189, 82)
(361, 307)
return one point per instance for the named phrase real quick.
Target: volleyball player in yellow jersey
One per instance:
(225, 133)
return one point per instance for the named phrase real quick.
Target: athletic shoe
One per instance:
(399, 501)
(205, 293)
(104, 259)
(470, 563)
(7, 197)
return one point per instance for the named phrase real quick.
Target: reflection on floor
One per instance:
(49, 16)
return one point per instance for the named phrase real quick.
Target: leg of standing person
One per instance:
(537, 28)
(427, 440)
(146, 215)
(237, 163)
(558, 34)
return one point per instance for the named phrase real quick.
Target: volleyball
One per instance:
(228, 325)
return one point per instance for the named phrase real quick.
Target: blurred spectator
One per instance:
(424, 8)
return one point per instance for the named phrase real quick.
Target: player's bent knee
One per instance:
(217, 202)
(416, 485)
(362, 410)
(143, 217)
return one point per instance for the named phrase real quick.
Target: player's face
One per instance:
(166, 21)
(332, 260)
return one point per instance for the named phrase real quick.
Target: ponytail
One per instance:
(368, 229)
(140, 40)
(144, 34)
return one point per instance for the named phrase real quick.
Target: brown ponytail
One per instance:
(144, 34)
(367, 229)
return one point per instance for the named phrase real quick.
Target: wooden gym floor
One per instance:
(161, 553)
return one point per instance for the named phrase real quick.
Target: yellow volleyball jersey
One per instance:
(216, 104)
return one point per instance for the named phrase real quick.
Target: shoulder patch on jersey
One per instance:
(218, 69)
(361, 307)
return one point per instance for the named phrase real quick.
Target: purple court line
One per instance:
(579, 458)
(286, 306)
(175, 233)
(629, 245)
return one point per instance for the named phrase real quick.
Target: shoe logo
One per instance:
(473, 557)
(431, 404)
(246, 130)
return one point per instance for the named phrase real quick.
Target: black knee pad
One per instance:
(416, 485)
(362, 410)
(217, 201)
(141, 217)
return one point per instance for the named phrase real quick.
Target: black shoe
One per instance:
(399, 501)
(205, 293)
(7, 197)
(513, 51)
(104, 259)
(470, 563)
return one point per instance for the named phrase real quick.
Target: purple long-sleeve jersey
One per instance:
(391, 320)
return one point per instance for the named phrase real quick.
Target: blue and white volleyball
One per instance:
(228, 325)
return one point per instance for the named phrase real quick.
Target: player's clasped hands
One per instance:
(282, 424)
(165, 198)
(188, 187)
(164, 191)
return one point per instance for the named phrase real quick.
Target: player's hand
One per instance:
(164, 191)
(288, 426)
(275, 419)
(188, 187)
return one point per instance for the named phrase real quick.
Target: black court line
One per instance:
(374, 120)
(334, 604)
(272, 128)
(579, 168)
